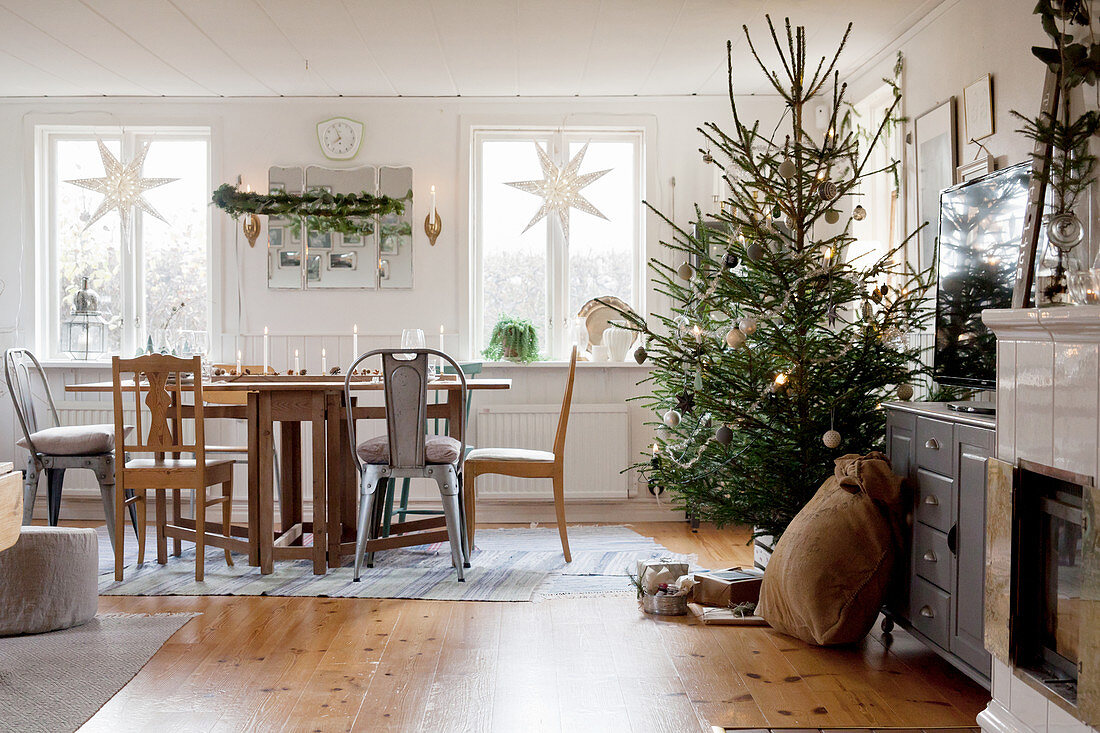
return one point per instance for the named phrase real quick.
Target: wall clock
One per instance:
(339, 138)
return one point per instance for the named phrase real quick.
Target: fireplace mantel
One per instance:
(1048, 413)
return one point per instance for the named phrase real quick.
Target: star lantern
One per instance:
(560, 189)
(123, 188)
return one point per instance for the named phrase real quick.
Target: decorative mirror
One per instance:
(395, 244)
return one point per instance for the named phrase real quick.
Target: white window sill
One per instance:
(563, 364)
(74, 364)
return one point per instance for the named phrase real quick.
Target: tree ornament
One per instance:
(685, 271)
(708, 158)
(827, 190)
(672, 418)
(640, 354)
(560, 189)
(755, 252)
(831, 439)
(723, 434)
(832, 216)
(868, 311)
(735, 337)
(787, 168)
(685, 402)
(1065, 230)
(747, 325)
(731, 261)
(859, 213)
(905, 392)
(777, 212)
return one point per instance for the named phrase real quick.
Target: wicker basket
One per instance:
(665, 605)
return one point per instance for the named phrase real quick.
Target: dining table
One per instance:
(290, 401)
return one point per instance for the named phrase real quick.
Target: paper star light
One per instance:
(560, 189)
(122, 186)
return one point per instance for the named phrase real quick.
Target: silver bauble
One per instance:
(755, 252)
(640, 354)
(735, 337)
(859, 213)
(724, 435)
(671, 418)
(685, 271)
(787, 169)
(1065, 231)
(747, 325)
(905, 392)
(827, 190)
(831, 439)
(832, 216)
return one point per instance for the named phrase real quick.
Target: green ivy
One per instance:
(346, 213)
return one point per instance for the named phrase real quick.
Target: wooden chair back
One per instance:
(566, 402)
(159, 384)
(25, 378)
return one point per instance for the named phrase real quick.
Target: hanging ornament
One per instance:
(685, 271)
(560, 189)
(827, 190)
(723, 434)
(671, 418)
(685, 403)
(832, 216)
(868, 311)
(831, 439)
(777, 212)
(876, 295)
(731, 261)
(640, 354)
(735, 337)
(123, 188)
(905, 392)
(708, 158)
(859, 213)
(754, 252)
(747, 325)
(698, 385)
(1065, 231)
(787, 168)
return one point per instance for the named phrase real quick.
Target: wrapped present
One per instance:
(653, 573)
(727, 588)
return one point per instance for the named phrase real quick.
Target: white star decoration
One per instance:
(560, 189)
(122, 186)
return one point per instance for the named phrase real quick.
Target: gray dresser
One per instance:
(938, 597)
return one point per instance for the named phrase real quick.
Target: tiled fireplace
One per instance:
(1042, 580)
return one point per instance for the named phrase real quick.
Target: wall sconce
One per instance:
(433, 225)
(251, 225)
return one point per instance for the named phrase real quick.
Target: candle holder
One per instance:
(433, 226)
(251, 228)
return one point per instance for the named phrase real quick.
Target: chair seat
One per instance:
(74, 440)
(510, 454)
(437, 449)
(177, 463)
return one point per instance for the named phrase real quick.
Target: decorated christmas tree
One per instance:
(780, 345)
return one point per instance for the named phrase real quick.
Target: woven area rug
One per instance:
(522, 564)
(50, 683)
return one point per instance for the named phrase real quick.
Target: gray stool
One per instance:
(49, 580)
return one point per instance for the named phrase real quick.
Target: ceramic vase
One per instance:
(618, 341)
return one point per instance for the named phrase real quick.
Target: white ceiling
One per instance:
(414, 47)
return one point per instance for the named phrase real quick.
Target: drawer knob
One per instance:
(927, 612)
(931, 500)
(930, 556)
(932, 444)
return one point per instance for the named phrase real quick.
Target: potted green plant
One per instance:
(513, 339)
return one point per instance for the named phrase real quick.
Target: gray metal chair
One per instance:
(53, 448)
(406, 450)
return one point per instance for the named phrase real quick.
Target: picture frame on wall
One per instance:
(935, 147)
(978, 109)
(974, 169)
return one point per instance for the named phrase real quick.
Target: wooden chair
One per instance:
(159, 383)
(522, 463)
(229, 398)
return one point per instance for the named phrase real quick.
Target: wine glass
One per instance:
(411, 338)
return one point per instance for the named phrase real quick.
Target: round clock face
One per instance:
(340, 138)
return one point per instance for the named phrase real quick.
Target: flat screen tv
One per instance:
(981, 225)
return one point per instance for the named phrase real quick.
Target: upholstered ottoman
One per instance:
(48, 580)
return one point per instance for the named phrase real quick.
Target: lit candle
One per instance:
(267, 360)
(441, 337)
(297, 364)
(239, 371)
(324, 362)
(355, 342)
(698, 334)
(433, 203)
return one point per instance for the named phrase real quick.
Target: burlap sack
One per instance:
(826, 579)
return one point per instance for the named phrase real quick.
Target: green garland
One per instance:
(347, 213)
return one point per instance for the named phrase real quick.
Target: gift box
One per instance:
(727, 588)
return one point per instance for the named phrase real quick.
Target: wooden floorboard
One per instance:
(321, 664)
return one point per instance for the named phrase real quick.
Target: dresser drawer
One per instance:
(934, 440)
(934, 494)
(930, 610)
(931, 556)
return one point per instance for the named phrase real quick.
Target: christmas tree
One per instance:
(780, 346)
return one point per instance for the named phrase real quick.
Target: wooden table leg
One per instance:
(335, 457)
(290, 472)
(252, 411)
(456, 410)
(177, 547)
(320, 545)
(266, 473)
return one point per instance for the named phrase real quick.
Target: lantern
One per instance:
(84, 332)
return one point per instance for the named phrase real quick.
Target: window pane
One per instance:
(92, 252)
(513, 264)
(175, 251)
(601, 251)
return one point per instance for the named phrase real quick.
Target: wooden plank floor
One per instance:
(320, 664)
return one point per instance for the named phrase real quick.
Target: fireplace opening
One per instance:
(1048, 547)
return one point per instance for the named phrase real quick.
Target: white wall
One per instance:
(251, 135)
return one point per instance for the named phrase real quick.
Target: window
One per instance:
(539, 274)
(880, 230)
(156, 283)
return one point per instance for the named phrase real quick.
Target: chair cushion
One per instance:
(74, 440)
(437, 449)
(511, 454)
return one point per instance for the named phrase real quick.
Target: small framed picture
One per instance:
(978, 109)
(275, 237)
(313, 268)
(341, 261)
(290, 259)
(974, 169)
(320, 240)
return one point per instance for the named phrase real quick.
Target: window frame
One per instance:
(134, 330)
(558, 139)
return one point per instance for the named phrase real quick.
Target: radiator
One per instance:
(597, 449)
